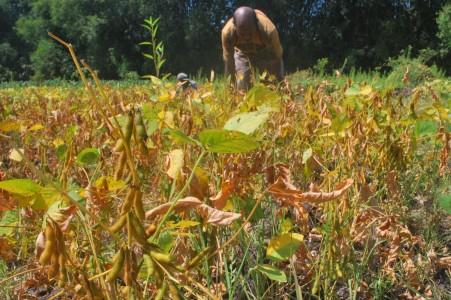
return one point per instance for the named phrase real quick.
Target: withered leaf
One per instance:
(285, 190)
(220, 199)
(6, 252)
(181, 205)
(176, 162)
(209, 214)
(216, 217)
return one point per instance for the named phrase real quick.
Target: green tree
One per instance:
(13, 55)
(444, 28)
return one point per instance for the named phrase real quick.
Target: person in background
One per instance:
(251, 41)
(185, 82)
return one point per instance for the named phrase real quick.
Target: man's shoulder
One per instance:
(228, 29)
(265, 22)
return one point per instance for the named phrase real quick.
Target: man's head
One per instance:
(245, 21)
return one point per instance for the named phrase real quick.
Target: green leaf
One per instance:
(180, 137)
(61, 151)
(10, 218)
(340, 123)
(30, 193)
(161, 63)
(46, 197)
(261, 96)
(283, 246)
(247, 122)
(21, 187)
(225, 141)
(425, 128)
(353, 90)
(272, 273)
(165, 241)
(444, 201)
(88, 156)
(286, 226)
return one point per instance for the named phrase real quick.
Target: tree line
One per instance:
(106, 33)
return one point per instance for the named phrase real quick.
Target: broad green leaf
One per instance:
(121, 119)
(180, 137)
(353, 90)
(353, 103)
(46, 197)
(20, 187)
(425, 128)
(444, 201)
(306, 155)
(340, 123)
(176, 162)
(10, 219)
(225, 141)
(29, 193)
(75, 195)
(283, 246)
(61, 151)
(272, 272)
(286, 226)
(261, 96)
(151, 126)
(165, 241)
(246, 122)
(88, 156)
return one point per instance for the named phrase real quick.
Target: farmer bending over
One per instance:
(250, 40)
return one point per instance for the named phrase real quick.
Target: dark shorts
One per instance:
(261, 62)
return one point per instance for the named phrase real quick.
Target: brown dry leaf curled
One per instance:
(181, 205)
(209, 214)
(220, 200)
(286, 190)
(217, 217)
(6, 252)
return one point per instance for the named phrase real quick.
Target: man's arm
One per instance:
(228, 51)
(275, 44)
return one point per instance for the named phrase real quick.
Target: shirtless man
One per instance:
(250, 40)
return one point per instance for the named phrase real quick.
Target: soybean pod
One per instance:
(118, 263)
